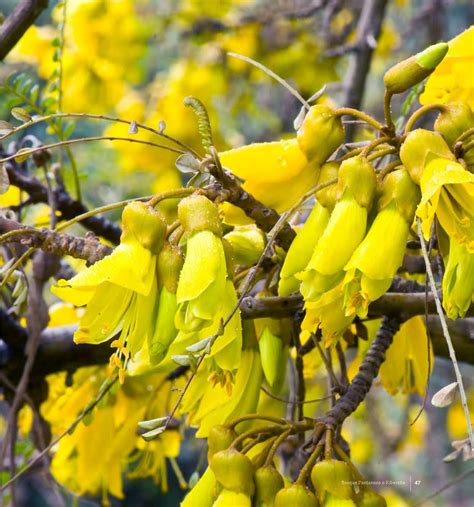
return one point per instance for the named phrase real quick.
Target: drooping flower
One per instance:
(321, 285)
(302, 247)
(203, 278)
(447, 191)
(405, 367)
(458, 280)
(373, 265)
(120, 290)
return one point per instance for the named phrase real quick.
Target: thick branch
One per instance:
(368, 32)
(66, 205)
(16, 24)
(229, 188)
(368, 371)
(88, 248)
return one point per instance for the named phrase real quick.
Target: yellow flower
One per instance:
(373, 265)
(449, 81)
(458, 280)
(301, 249)
(209, 405)
(276, 173)
(406, 363)
(447, 191)
(120, 290)
(202, 282)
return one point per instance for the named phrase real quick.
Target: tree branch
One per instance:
(88, 248)
(368, 32)
(16, 24)
(66, 205)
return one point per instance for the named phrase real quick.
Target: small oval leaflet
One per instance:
(187, 164)
(445, 396)
(21, 114)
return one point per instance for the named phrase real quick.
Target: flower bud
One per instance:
(198, 213)
(334, 477)
(268, 482)
(220, 437)
(145, 224)
(234, 471)
(369, 498)
(295, 495)
(248, 244)
(357, 176)
(421, 147)
(454, 119)
(413, 70)
(399, 187)
(229, 498)
(327, 196)
(321, 133)
(170, 262)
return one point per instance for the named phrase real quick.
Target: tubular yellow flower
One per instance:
(373, 265)
(203, 277)
(303, 245)
(276, 173)
(209, 405)
(447, 191)
(345, 230)
(458, 280)
(406, 365)
(120, 290)
(448, 82)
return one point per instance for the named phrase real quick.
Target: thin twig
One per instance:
(452, 352)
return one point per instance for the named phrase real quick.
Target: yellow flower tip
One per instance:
(81, 335)
(197, 213)
(121, 375)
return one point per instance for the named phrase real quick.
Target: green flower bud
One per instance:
(458, 280)
(143, 224)
(198, 213)
(327, 196)
(321, 133)
(268, 482)
(220, 437)
(413, 70)
(234, 471)
(295, 495)
(357, 176)
(454, 119)
(399, 187)
(248, 244)
(369, 498)
(421, 147)
(334, 477)
(170, 263)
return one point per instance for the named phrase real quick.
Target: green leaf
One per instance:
(21, 114)
(187, 164)
(152, 424)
